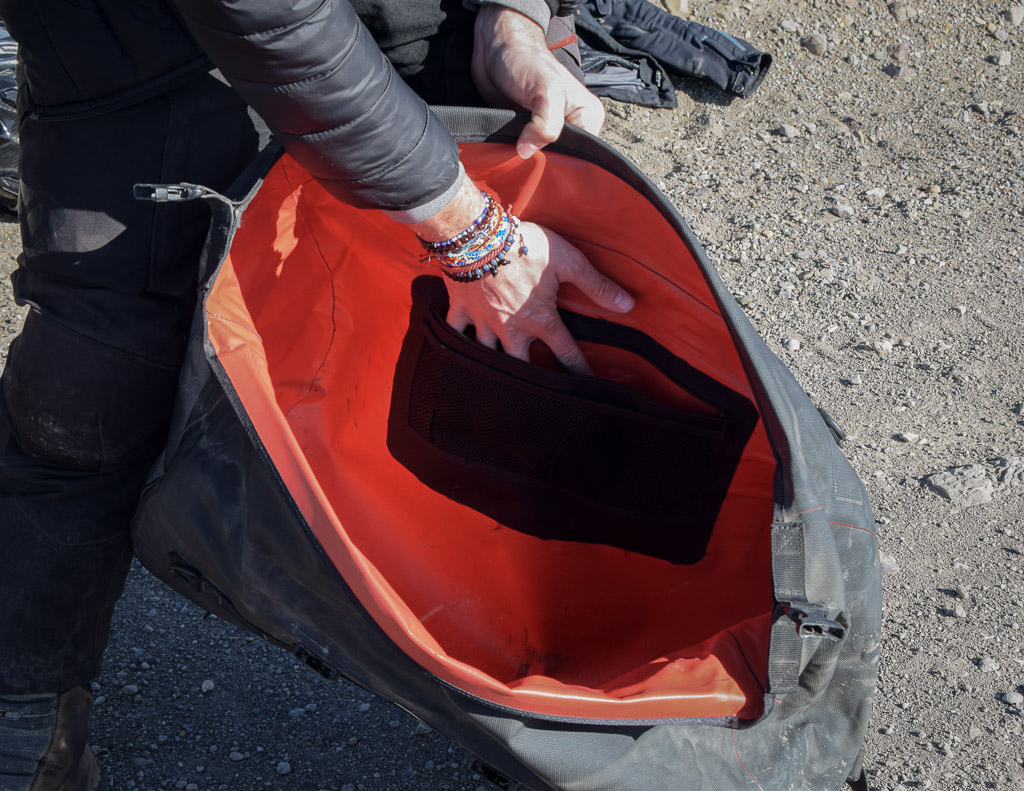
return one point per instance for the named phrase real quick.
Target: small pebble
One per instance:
(364, 707)
(959, 611)
(1004, 58)
(1013, 698)
(902, 73)
(792, 344)
(903, 10)
(130, 689)
(815, 44)
(1015, 15)
(898, 51)
(422, 729)
(988, 665)
(284, 768)
(207, 685)
(788, 131)
(234, 755)
(296, 712)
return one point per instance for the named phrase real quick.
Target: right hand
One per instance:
(512, 67)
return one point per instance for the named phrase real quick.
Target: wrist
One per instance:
(463, 209)
(537, 11)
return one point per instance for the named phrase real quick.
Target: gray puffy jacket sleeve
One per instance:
(315, 75)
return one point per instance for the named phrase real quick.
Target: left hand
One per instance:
(512, 67)
(518, 306)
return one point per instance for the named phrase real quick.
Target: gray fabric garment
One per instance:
(26, 727)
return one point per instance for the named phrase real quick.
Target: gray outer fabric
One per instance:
(825, 567)
(26, 728)
(540, 11)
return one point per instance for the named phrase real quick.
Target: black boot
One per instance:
(43, 743)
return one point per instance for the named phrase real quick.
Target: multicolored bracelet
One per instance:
(481, 248)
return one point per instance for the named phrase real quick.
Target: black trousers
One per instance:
(89, 383)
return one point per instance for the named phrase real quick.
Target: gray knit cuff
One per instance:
(537, 10)
(428, 210)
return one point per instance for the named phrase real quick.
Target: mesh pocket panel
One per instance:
(620, 461)
(558, 455)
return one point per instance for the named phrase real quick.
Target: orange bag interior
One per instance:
(307, 317)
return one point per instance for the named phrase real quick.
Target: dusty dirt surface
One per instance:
(866, 206)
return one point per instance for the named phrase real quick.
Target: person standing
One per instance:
(116, 92)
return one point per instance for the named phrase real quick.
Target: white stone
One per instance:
(678, 7)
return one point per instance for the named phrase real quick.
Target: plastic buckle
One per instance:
(813, 623)
(316, 664)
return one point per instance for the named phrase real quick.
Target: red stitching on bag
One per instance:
(855, 527)
(735, 750)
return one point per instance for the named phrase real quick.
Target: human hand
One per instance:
(512, 67)
(518, 306)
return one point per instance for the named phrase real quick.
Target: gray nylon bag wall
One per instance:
(245, 530)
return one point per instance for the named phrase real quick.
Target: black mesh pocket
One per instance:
(558, 455)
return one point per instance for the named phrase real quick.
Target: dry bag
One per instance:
(660, 577)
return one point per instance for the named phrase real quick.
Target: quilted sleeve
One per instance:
(315, 75)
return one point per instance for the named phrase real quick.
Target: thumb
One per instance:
(544, 127)
(601, 290)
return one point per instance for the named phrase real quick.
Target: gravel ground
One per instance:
(867, 207)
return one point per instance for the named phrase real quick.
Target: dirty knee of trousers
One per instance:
(44, 743)
(81, 404)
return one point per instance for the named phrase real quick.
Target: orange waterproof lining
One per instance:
(555, 628)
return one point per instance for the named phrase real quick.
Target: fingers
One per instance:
(565, 348)
(588, 114)
(559, 100)
(485, 336)
(457, 319)
(544, 127)
(576, 269)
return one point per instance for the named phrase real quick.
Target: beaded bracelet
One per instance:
(467, 234)
(481, 248)
(490, 265)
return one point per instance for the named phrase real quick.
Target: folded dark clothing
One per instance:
(639, 32)
(626, 76)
